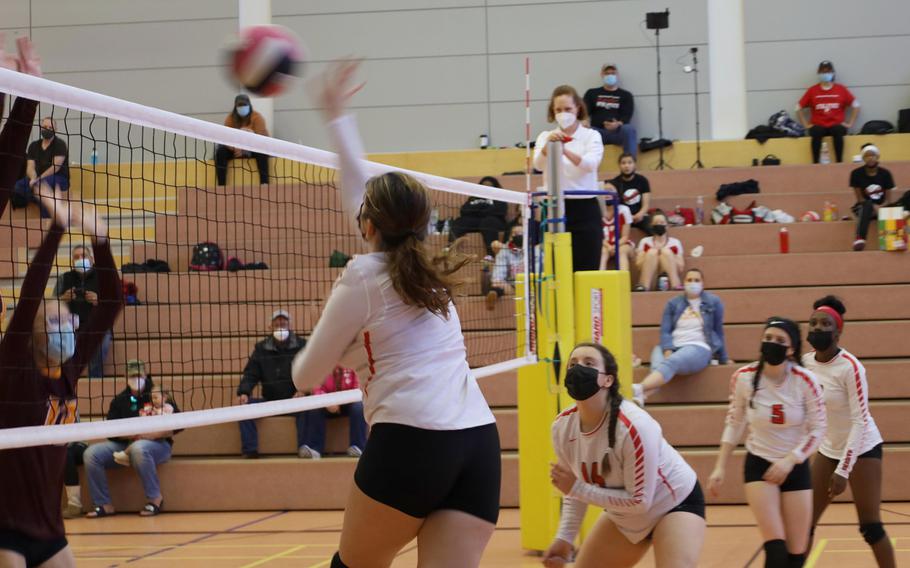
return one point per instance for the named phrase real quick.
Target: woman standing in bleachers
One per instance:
(852, 448)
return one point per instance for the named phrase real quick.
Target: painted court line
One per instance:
(816, 553)
(275, 556)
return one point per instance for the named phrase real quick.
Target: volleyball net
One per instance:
(205, 261)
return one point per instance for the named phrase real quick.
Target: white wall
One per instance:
(441, 72)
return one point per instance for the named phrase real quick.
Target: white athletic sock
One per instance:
(73, 495)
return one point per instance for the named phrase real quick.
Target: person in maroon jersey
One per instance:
(41, 358)
(828, 102)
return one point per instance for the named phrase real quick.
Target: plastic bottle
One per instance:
(434, 219)
(93, 157)
(484, 141)
(825, 155)
(835, 214)
(699, 210)
(445, 227)
(784, 240)
(827, 213)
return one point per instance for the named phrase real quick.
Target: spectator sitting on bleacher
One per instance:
(635, 191)
(340, 379)
(79, 289)
(871, 183)
(160, 405)
(149, 450)
(270, 365)
(659, 255)
(509, 263)
(245, 118)
(611, 109)
(827, 102)
(47, 161)
(691, 335)
(626, 246)
(481, 215)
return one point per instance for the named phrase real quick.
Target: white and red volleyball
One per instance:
(266, 59)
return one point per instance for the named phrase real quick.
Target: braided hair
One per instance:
(614, 397)
(791, 328)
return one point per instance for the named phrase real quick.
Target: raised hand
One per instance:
(29, 62)
(7, 60)
(336, 87)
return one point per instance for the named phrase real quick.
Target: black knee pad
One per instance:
(337, 563)
(776, 553)
(872, 532)
(795, 560)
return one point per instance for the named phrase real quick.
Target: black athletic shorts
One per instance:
(875, 453)
(420, 471)
(799, 479)
(694, 503)
(35, 551)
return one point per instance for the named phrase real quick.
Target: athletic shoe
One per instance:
(122, 458)
(491, 299)
(638, 395)
(859, 244)
(308, 453)
(355, 452)
(251, 456)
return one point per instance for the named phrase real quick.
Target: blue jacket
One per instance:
(712, 313)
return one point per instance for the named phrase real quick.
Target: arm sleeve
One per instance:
(573, 510)
(593, 154)
(641, 457)
(259, 126)
(858, 398)
(252, 375)
(540, 161)
(346, 139)
(501, 266)
(627, 107)
(110, 302)
(345, 314)
(719, 330)
(806, 100)
(816, 420)
(13, 140)
(849, 99)
(666, 328)
(889, 182)
(740, 390)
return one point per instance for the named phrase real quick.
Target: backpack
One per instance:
(782, 122)
(206, 257)
(877, 127)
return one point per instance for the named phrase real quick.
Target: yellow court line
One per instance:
(275, 556)
(321, 564)
(219, 558)
(128, 547)
(816, 553)
(869, 550)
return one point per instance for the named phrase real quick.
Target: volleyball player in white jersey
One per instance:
(782, 404)
(431, 467)
(612, 455)
(852, 448)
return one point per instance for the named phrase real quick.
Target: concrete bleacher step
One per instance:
(219, 355)
(886, 378)
(880, 338)
(750, 305)
(217, 484)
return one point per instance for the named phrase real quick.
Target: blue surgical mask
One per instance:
(611, 80)
(243, 110)
(826, 77)
(61, 343)
(82, 265)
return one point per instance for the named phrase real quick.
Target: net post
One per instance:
(554, 184)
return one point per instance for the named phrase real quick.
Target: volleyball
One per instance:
(266, 59)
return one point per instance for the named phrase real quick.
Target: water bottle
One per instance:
(484, 141)
(825, 156)
(784, 240)
(93, 157)
(434, 219)
(663, 283)
(445, 227)
(699, 210)
(826, 213)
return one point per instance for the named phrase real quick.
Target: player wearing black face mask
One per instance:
(612, 455)
(781, 403)
(852, 448)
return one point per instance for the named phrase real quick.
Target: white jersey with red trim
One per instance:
(851, 428)
(647, 475)
(416, 361)
(785, 418)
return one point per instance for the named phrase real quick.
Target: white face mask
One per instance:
(137, 384)
(281, 334)
(83, 264)
(565, 119)
(694, 288)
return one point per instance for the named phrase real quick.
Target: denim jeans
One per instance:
(249, 434)
(686, 360)
(625, 136)
(145, 455)
(23, 190)
(96, 365)
(315, 426)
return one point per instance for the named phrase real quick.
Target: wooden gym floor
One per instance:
(308, 539)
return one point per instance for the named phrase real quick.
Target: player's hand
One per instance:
(562, 477)
(91, 297)
(29, 62)
(68, 295)
(337, 87)
(837, 485)
(716, 481)
(558, 554)
(243, 399)
(238, 152)
(7, 60)
(778, 471)
(87, 217)
(334, 409)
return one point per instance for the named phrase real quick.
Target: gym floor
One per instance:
(308, 539)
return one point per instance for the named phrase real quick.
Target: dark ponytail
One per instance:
(832, 302)
(614, 398)
(399, 207)
(791, 328)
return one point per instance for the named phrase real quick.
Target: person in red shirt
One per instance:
(827, 102)
(341, 379)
